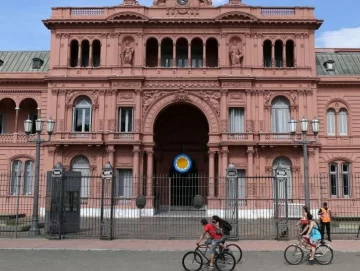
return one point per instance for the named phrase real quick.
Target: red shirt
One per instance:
(210, 229)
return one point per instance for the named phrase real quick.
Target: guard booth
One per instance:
(62, 209)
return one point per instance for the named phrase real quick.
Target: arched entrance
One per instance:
(180, 128)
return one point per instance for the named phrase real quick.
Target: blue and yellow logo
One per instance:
(182, 163)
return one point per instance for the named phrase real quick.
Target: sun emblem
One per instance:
(182, 163)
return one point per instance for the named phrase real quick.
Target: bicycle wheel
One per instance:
(192, 261)
(293, 254)
(236, 251)
(324, 254)
(225, 261)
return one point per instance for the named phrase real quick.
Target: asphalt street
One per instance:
(61, 260)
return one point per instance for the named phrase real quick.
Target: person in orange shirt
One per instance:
(215, 237)
(325, 219)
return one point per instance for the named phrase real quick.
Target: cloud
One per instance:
(342, 38)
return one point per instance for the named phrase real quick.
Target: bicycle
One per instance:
(222, 259)
(301, 247)
(234, 249)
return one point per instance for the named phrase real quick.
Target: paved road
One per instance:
(45, 260)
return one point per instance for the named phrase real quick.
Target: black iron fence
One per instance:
(78, 206)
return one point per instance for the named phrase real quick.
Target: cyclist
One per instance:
(222, 227)
(211, 231)
(312, 236)
(303, 221)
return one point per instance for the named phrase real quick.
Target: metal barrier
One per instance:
(170, 207)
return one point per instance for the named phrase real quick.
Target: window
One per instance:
(37, 63)
(330, 118)
(339, 174)
(280, 115)
(22, 183)
(124, 183)
(82, 115)
(81, 164)
(2, 123)
(236, 120)
(343, 121)
(126, 119)
(282, 171)
(1, 62)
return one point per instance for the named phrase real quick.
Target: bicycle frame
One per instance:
(206, 246)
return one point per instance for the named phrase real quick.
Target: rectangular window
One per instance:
(2, 123)
(236, 120)
(82, 119)
(333, 171)
(343, 131)
(124, 183)
(345, 180)
(280, 118)
(126, 119)
(28, 177)
(330, 118)
(15, 177)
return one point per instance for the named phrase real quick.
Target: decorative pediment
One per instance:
(236, 16)
(128, 16)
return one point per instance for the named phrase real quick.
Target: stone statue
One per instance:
(127, 54)
(236, 55)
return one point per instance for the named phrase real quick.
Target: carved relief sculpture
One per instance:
(127, 54)
(212, 98)
(181, 95)
(236, 55)
(149, 97)
(267, 96)
(159, 3)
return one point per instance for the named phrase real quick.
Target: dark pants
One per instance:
(324, 225)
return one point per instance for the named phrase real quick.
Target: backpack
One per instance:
(226, 226)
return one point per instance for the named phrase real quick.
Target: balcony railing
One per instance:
(87, 11)
(78, 138)
(277, 11)
(14, 138)
(121, 137)
(278, 137)
(238, 136)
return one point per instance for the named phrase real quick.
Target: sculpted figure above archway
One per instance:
(152, 107)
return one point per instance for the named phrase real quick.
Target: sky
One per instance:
(21, 27)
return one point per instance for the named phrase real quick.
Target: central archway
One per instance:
(181, 128)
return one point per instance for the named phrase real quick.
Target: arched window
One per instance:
(290, 59)
(343, 122)
(280, 115)
(22, 177)
(212, 53)
(74, 53)
(267, 55)
(197, 53)
(167, 49)
(96, 53)
(279, 54)
(152, 51)
(282, 173)
(85, 53)
(339, 179)
(82, 115)
(182, 49)
(81, 164)
(330, 119)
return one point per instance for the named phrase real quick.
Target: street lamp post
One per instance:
(28, 124)
(305, 141)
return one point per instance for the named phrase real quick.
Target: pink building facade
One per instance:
(138, 85)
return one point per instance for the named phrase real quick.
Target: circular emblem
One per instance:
(198, 201)
(182, 163)
(182, 2)
(141, 202)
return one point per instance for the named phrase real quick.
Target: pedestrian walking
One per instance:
(325, 220)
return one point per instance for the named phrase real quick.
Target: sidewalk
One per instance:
(154, 245)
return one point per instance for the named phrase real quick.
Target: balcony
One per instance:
(238, 137)
(14, 138)
(277, 138)
(65, 138)
(121, 138)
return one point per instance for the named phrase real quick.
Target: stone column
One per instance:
(220, 173)
(211, 173)
(16, 119)
(189, 54)
(174, 54)
(284, 55)
(149, 182)
(159, 54)
(225, 158)
(273, 55)
(250, 160)
(137, 111)
(223, 111)
(90, 54)
(39, 113)
(110, 151)
(136, 166)
(79, 56)
(204, 54)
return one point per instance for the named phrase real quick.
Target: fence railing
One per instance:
(254, 205)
